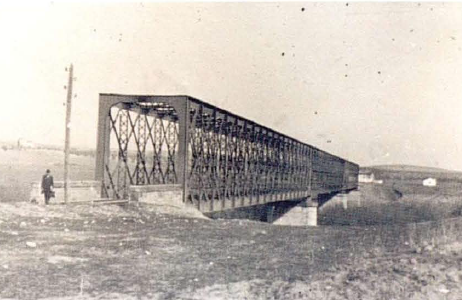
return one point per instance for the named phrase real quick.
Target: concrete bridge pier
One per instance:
(312, 209)
(305, 213)
(346, 200)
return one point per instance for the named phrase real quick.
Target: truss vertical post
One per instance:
(183, 144)
(102, 141)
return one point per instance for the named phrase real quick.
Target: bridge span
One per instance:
(215, 160)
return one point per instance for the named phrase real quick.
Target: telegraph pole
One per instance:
(68, 134)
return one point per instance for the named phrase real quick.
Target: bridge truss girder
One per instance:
(221, 160)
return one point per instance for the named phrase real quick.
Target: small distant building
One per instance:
(25, 144)
(429, 182)
(366, 176)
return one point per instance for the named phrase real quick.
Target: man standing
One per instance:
(47, 186)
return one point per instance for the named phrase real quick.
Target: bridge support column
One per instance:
(304, 213)
(312, 212)
(344, 200)
(270, 214)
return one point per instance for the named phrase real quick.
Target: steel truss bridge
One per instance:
(220, 160)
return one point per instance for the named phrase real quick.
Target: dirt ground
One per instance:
(112, 252)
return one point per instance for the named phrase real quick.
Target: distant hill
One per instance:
(14, 145)
(413, 173)
(409, 168)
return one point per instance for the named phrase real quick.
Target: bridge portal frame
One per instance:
(106, 125)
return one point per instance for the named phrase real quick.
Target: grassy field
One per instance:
(137, 252)
(382, 205)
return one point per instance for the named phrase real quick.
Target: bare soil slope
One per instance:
(83, 252)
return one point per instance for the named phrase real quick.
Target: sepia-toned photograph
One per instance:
(230, 150)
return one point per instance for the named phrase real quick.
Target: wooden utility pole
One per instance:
(67, 141)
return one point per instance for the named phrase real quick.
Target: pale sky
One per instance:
(376, 83)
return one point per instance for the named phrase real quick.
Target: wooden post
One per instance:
(68, 134)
